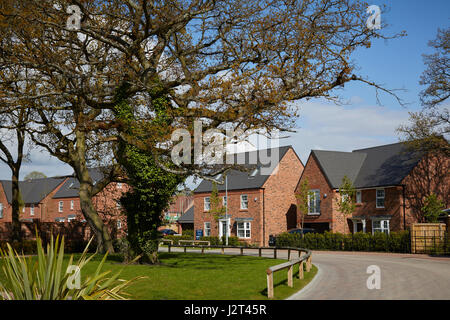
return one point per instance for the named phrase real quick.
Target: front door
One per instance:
(223, 227)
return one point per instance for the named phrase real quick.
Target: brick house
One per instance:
(36, 195)
(391, 182)
(179, 205)
(56, 200)
(260, 202)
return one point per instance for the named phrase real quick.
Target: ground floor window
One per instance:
(207, 229)
(381, 226)
(244, 229)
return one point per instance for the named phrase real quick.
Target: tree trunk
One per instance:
(104, 240)
(16, 226)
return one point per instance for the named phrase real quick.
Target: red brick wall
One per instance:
(7, 209)
(277, 197)
(234, 203)
(280, 203)
(316, 180)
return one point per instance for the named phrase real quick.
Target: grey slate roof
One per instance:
(188, 216)
(385, 165)
(71, 187)
(33, 191)
(238, 180)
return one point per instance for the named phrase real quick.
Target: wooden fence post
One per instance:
(203, 250)
(270, 285)
(290, 280)
(259, 252)
(242, 251)
(223, 250)
(308, 264)
(275, 253)
(169, 247)
(289, 254)
(184, 249)
(300, 270)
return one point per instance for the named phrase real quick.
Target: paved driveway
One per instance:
(343, 275)
(402, 276)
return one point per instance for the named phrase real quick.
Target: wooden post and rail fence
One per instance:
(301, 260)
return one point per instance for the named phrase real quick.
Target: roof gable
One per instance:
(371, 167)
(33, 191)
(253, 179)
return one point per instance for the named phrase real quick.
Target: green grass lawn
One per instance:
(193, 276)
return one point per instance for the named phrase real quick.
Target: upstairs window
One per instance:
(244, 201)
(119, 185)
(314, 202)
(71, 204)
(32, 210)
(206, 204)
(380, 198)
(224, 199)
(1, 210)
(60, 206)
(358, 196)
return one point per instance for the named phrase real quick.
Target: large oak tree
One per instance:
(228, 62)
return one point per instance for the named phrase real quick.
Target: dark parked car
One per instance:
(167, 232)
(273, 239)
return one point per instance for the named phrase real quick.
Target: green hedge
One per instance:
(394, 242)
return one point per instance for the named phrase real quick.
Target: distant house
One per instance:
(36, 195)
(179, 205)
(186, 220)
(259, 203)
(391, 182)
(56, 199)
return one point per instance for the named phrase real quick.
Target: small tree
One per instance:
(432, 208)
(346, 203)
(303, 199)
(217, 209)
(35, 175)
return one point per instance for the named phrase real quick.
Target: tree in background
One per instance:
(346, 203)
(35, 175)
(429, 128)
(13, 122)
(432, 208)
(303, 197)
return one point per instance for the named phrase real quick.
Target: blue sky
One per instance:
(395, 63)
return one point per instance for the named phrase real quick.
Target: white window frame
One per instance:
(224, 201)
(32, 210)
(207, 229)
(377, 198)
(119, 224)
(60, 219)
(246, 228)
(384, 226)
(244, 202)
(358, 196)
(316, 194)
(70, 218)
(60, 206)
(119, 185)
(1, 210)
(71, 204)
(206, 204)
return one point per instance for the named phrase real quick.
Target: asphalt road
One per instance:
(402, 276)
(343, 276)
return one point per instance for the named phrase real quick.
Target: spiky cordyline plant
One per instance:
(47, 279)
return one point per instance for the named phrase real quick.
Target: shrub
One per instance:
(188, 233)
(24, 279)
(175, 239)
(394, 242)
